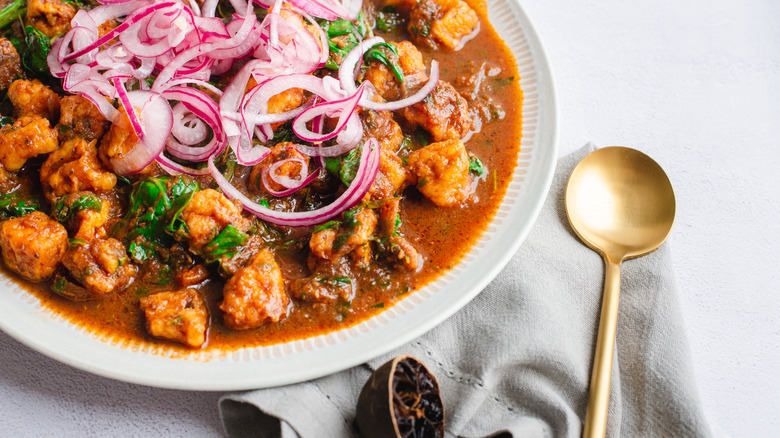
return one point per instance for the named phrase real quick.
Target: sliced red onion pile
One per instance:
(157, 63)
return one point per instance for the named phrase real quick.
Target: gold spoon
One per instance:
(621, 204)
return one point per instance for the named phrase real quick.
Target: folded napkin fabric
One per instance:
(516, 361)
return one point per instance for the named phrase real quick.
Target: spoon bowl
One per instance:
(621, 204)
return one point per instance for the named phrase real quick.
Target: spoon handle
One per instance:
(598, 399)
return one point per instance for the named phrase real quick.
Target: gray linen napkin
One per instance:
(516, 360)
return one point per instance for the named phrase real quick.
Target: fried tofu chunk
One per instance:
(101, 266)
(392, 176)
(412, 64)
(256, 294)
(442, 23)
(285, 101)
(354, 231)
(26, 138)
(401, 251)
(458, 22)
(207, 214)
(51, 17)
(179, 316)
(10, 64)
(80, 118)
(444, 113)
(87, 214)
(381, 126)
(75, 167)
(442, 171)
(32, 98)
(33, 245)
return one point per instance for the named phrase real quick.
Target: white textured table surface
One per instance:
(694, 84)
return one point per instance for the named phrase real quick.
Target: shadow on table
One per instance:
(72, 402)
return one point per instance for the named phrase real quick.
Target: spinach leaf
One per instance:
(12, 205)
(38, 46)
(141, 250)
(380, 55)
(224, 244)
(183, 187)
(345, 166)
(349, 166)
(475, 166)
(350, 217)
(326, 225)
(350, 222)
(155, 209)
(343, 36)
(177, 226)
(63, 212)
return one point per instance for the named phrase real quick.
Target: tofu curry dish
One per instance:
(204, 174)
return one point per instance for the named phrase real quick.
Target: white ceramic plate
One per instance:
(23, 317)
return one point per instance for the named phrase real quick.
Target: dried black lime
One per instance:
(401, 400)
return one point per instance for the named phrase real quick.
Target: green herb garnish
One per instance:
(12, 205)
(344, 167)
(63, 212)
(475, 166)
(380, 55)
(225, 244)
(35, 57)
(326, 225)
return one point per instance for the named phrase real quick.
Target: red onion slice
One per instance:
(130, 20)
(156, 120)
(344, 108)
(124, 99)
(286, 192)
(411, 100)
(348, 69)
(327, 9)
(290, 184)
(364, 178)
(203, 111)
(174, 168)
(284, 180)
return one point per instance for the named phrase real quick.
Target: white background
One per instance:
(696, 85)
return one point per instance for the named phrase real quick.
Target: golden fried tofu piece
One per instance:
(326, 245)
(32, 98)
(101, 266)
(444, 113)
(256, 294)
(26, 138)
(442, 171)
(75, 167)
(33, 245)
(179, 316)
(207, 214)
(80, 118)
(51, 17)
(441, 23)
